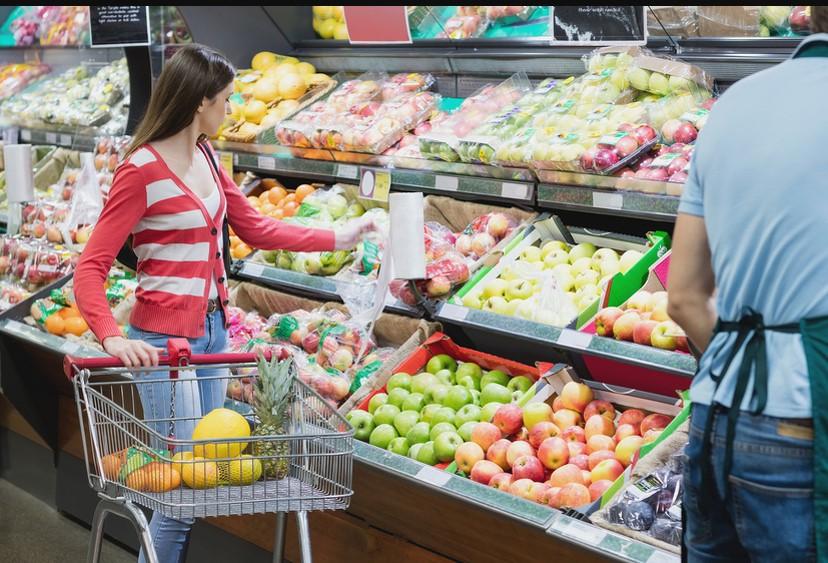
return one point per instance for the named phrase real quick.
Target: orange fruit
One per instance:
(304, 191)
(290, 208)
(277, 194)
(68, 312)
(254, 201)
(290, 197)
(240, 251)
(263, 198)
(234, 241)
(267, 209)
(75, 325)
(55, 324)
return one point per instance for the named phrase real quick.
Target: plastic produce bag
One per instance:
(86, 205)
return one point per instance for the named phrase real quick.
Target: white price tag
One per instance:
(51, 138)
(659, 556)
(253, 269)
(574, 339)
(454, 312)
(448, 183)
(25, 135)
(266, 163)
(235, 159)
(607, 200)
(347, 171)
(514, 191)
(433, 476)
(66, 140)
(586, 533)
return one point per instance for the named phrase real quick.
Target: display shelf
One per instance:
(637, 205)
(318, 287)
(63, 137)
(55, 343)
(276, 159)
(538, 339)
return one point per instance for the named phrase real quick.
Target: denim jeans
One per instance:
(771, 517)
(194, 397)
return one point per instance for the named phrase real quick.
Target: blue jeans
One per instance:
(771, 517)
(193, 399)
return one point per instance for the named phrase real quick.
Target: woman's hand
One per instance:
(350, 234)
(132, 353)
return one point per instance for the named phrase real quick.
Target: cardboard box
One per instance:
(677, 21)
(728, 21)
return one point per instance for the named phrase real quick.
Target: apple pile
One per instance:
(643, 319)
(667, 164)
(429, 415)
(579, 272)
(565, 456)
(30, 264)
(615, 147)
(484, 233)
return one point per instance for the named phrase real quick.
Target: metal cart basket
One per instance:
(140, 458)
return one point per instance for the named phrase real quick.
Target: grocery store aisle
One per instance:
(33, 532)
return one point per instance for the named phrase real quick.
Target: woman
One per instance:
(173, 201)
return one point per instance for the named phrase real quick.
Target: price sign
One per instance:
(51, 138)
(375, 184)
(433, 476)
(252, 269)
(347, 171)
(607, 200)
(226, 159)
(454, 312)
(25, 135)
(377, 24)
(66, 140)
(447, 183)
(574, 339)
(598, 25)
(266, 163)
(514, 191)
(119, 26)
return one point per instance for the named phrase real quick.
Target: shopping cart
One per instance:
(314, 455)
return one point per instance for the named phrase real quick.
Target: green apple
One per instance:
(419, 433)
(443, 414)
(526, 310)
(494, 376)
(603, 254)
(588, 277)
(399, 446)
(405, 421)
(495, 288)
(397, 396)
(580, 266)
(583, 250)
(414, 402)
(553, 246)
(469, 368)
(382, 436)
(362, 423)
(426, 454)
(497, 305)
(639, 78)
(658, 84)
(469, 383)
(377, 401)
(466, 430)
(508, 274)
(385, 414)
(473, 300)
(489, 410)
(629, 259)
(475, 396)
(531, 254)
(495, 393)
(520, 383)
(428, 411)
(469, 413)
(457, 397)
(679, 84)
(438, 429)
(421, 382)
(519, 289)
(446, 444)
(440, 362)
(398, 380)
(436, 393)
(555, 258)
(445, 376)
(609, 268)
(414, 450)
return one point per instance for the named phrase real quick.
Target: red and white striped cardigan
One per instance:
(176, 242)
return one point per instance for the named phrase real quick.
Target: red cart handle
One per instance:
(178, 356)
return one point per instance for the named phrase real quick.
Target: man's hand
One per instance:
(348, 236)
(133, 353)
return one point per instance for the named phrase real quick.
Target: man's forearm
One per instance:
(697, 316)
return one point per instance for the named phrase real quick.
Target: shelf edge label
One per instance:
(375, 184)
(66, 140)
(266, 163)
(347, 171)
(574, 339)
(447, 183)
(433, 476)
(514, 191)
(607, 200)
(51, 138)
(25, 134)
(253, 269)
(455, 312)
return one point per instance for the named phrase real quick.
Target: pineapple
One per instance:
(271, 402)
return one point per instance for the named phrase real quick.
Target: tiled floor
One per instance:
(33, 532)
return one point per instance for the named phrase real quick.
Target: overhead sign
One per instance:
(377, 24)
(598, 25)
(119, 26)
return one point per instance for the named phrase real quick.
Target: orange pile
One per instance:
(66, 321)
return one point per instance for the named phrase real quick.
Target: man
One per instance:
(749, 285)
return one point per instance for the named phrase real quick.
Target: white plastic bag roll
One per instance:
(19, 175)
(407, 241)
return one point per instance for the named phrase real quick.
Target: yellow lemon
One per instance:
(244, 471)
(305, 68)
(263, 60)
(200, 473)
(327, 28)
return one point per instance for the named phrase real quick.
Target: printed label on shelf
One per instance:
(574, 339)
(659, 556)
(227, 160)
(586, 533)
(454, 312)
(607, 200)
(433, 476)
(448, 183)
(266, 163)
(347, 171)
(25, 135)
(375, 184)
(253, 269)
(51, 138)
(66, 140)
(514, 191)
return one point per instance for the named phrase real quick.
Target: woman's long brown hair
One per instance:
(195, 72)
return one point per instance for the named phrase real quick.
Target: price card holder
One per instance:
(375, 184)
(446, 183)
(574, 339)
(514, 191)
(51, 138)
(433, 476)
(266, 163)
(454, 312)
(66, 140)
(226, 159)
(607, 200)
(347, 171)
(253, 269)
(25, 135)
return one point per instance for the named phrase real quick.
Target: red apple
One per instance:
(557, 404)
(668, 130)
(598, 488)
(574, 434)
(588, 158)
(484, 434)
(624, 326)
(522, 488)
(655, 422)
(538, 492)
(554, 453)
(627, 448)
(552, 497)
(483, 471)
(508, 419)
(597, 457)
(652, 435)
(626, 173)
(521, 435)
(517, 450)
(644, 134)
(624, 431)
(528, 467)
(581, 460)
(467, 455)
(605, 158)
(541, 432)
(708, 103)
(576, 396)
(677, 165)
(631, 416)
(566, 418)
(679, 177)
(643, 332)
(587, 476)
(600, 442)
(576, 448)
(497, 453)
(569, 473)
(498, 225)
(604, 408)
(574, 495)
(605, 320)
(625, 146)
(609, 469)
(686, 133)
(598, 425)
(502, 481)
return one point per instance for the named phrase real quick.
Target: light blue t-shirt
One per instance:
(759, 177)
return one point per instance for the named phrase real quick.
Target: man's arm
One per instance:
(691, 283)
